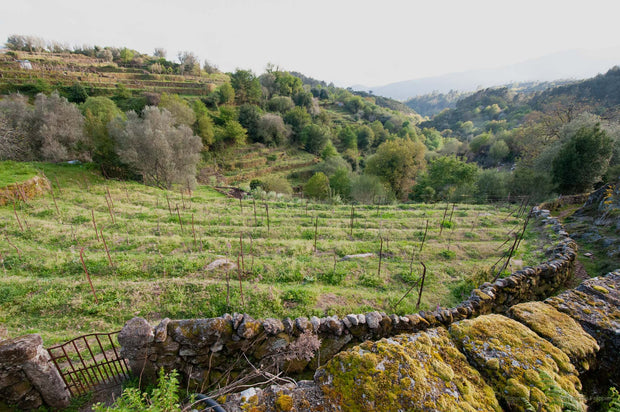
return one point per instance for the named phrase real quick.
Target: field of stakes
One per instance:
(150, 254)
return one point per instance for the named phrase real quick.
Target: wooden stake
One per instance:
(316, 229)
(107, 251)
(443, 219)
(194, 232)
(240, 284)
(17, 218)
(352, 215)
(179, 216)
(424, 238)
(268, 226)
(88, 276)
(380, 257)
(417, 306)
(92, 212)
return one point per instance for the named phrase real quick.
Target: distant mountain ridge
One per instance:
(571, 64)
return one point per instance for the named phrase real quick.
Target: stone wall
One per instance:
(212, 351)
(28, 189)
(28, 378)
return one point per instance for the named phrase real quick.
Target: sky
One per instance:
(348, 42)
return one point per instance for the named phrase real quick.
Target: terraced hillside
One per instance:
(99, 77)
(153, 255)
(256, 161)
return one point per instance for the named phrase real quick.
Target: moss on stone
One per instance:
(407, 372)
(532, 373)
(559, 329)
(284, 403)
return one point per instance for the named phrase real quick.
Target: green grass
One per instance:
(15, 172)
(159, 269)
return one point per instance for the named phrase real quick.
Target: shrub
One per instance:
(163, 398)
(278, 184)
(317, 187)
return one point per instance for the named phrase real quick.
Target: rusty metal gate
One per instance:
(90, 362)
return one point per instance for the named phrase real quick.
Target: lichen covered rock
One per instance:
(559, 329)
(526, 371)
(595, 304)
(423, 371)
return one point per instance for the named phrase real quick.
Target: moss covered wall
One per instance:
(24, 190)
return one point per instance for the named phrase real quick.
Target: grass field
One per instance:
(159, 244)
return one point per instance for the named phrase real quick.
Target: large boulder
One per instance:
(526, 371)
(559, 329)
(423, 371)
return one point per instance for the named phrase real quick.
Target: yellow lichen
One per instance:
(284, 403)
(526, 362)
(403, 373)
(558, 328)
(600, 289)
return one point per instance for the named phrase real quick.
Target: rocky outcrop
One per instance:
(32, 187)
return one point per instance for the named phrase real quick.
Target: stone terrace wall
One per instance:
(28, 378)
(28, 189)
(205, 350)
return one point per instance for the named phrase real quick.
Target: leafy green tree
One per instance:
(314, 138)
(329, 150)
(433, 139)
(206, 130)
(365, 137)
(126, 55)
(297, 118)
(281, 104)
(249, 116)
(77, 93)
(369, 189)
(247, 87)
(178, 108)
(271, 130)
(397, 162)
(499, 151)
(231, 134)
(340, 183)
(226, 94)
(287, 84)
(348, 138)
(98, 113)
(317, 186)
(448, 176)
(492, 185)
(582, 160)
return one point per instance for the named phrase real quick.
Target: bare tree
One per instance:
(189, 63)
(210, 67)
(58, 129)
(160, 52)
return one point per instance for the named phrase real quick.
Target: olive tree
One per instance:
(156, 149)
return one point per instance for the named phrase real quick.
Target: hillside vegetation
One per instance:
(166, 123)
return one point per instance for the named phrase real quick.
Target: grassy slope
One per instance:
(15, 172)
(159, 271)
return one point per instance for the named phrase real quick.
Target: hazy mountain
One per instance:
(571, 64)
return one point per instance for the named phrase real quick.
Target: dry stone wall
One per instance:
(208, 351)
(28, 378)
(24, 190)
